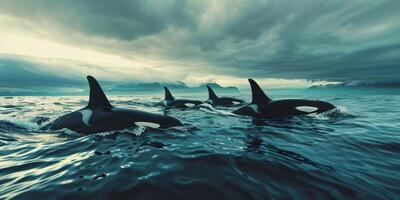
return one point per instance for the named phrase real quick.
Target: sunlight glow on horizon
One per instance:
(15, 44)
(21, 44)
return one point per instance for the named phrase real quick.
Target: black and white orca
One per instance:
(264, 107)
(214, 100)
(170, 101)
(100, 116)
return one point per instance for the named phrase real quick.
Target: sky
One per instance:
(280, 43)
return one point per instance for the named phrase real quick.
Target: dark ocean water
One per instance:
(350, 153)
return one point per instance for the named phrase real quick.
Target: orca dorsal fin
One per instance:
(97, 98)
(168, 95)
(211, 93)
(258, 96)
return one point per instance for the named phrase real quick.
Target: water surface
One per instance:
(351, 153)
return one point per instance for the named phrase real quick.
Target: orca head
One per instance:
(314, 106)
(168, 121)
(324, 106)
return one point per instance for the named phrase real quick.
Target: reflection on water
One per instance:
(350, 153)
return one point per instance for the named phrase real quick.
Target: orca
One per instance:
(264, 107)
(170, 101)
(214, 100)
(100, 116)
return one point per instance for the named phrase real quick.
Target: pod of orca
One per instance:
(100, 116)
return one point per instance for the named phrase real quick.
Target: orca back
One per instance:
(97, 98)
(168, 95)
(211, 93)
(258, 95)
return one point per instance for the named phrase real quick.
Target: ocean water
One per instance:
(350, 153)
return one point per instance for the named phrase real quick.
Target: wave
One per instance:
(7, 126)
(210, 109)
(215, 155)
(337, 114)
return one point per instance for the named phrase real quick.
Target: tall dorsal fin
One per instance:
(258, 96)
(211, 94)
(168, 95)
(97, 98)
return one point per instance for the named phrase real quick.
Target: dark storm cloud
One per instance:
(318, 40)
(379, 63)
(123, 19)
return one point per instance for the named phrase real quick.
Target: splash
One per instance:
(210, 109)
(339, 113)
(19, 123)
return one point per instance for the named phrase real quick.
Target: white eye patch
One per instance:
(147, 124)
(307, 109)
(86, 114)
(190, 105)
(235, 102)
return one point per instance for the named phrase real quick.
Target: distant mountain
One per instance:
(23, 94)
(217, 87)
(154, 86)
(114, 88)
(19, 92)
(358, 84)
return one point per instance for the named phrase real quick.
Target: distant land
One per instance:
(179, 86)
(114, 88)
(358, 84)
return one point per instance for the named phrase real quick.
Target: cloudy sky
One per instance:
(45, 43)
